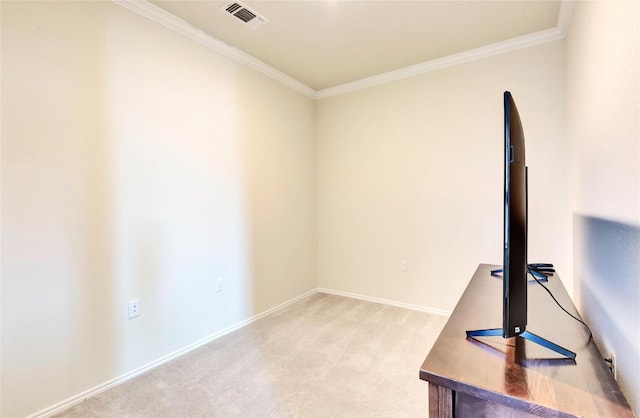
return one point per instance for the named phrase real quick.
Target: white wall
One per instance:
(413, 170)
(603, 129)
(138, 164)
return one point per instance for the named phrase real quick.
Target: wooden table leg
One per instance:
(440, 402)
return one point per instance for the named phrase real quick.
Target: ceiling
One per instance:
(329, 43)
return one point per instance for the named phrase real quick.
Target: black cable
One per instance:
(561, 307)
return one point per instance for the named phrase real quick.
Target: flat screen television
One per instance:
(515, 266)
(514, 318)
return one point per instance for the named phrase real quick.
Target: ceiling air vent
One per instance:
(246, 15)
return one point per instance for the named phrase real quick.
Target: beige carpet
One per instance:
(323, 356)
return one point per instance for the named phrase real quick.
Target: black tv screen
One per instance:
(515, 267)
(515, 223)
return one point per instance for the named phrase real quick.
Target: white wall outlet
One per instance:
(404, 266)
(614, 366)
(219, 284)
(134, 308)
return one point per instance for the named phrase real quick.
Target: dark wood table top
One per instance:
(516, 372)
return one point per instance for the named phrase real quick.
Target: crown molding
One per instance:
(513, 44)
(158, 15)
(564, 16)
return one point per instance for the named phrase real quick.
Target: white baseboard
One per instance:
(74, 400)
(385, 302)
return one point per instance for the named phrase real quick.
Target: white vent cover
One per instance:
(246, 15)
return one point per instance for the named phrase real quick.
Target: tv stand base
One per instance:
(497, 332)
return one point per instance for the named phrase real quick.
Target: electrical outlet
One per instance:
(404, 266)
(134, 308)
(219, 283)
(612, 365)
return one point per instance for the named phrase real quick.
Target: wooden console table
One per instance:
(496, 377)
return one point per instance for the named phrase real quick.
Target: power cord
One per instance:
(529, 268)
